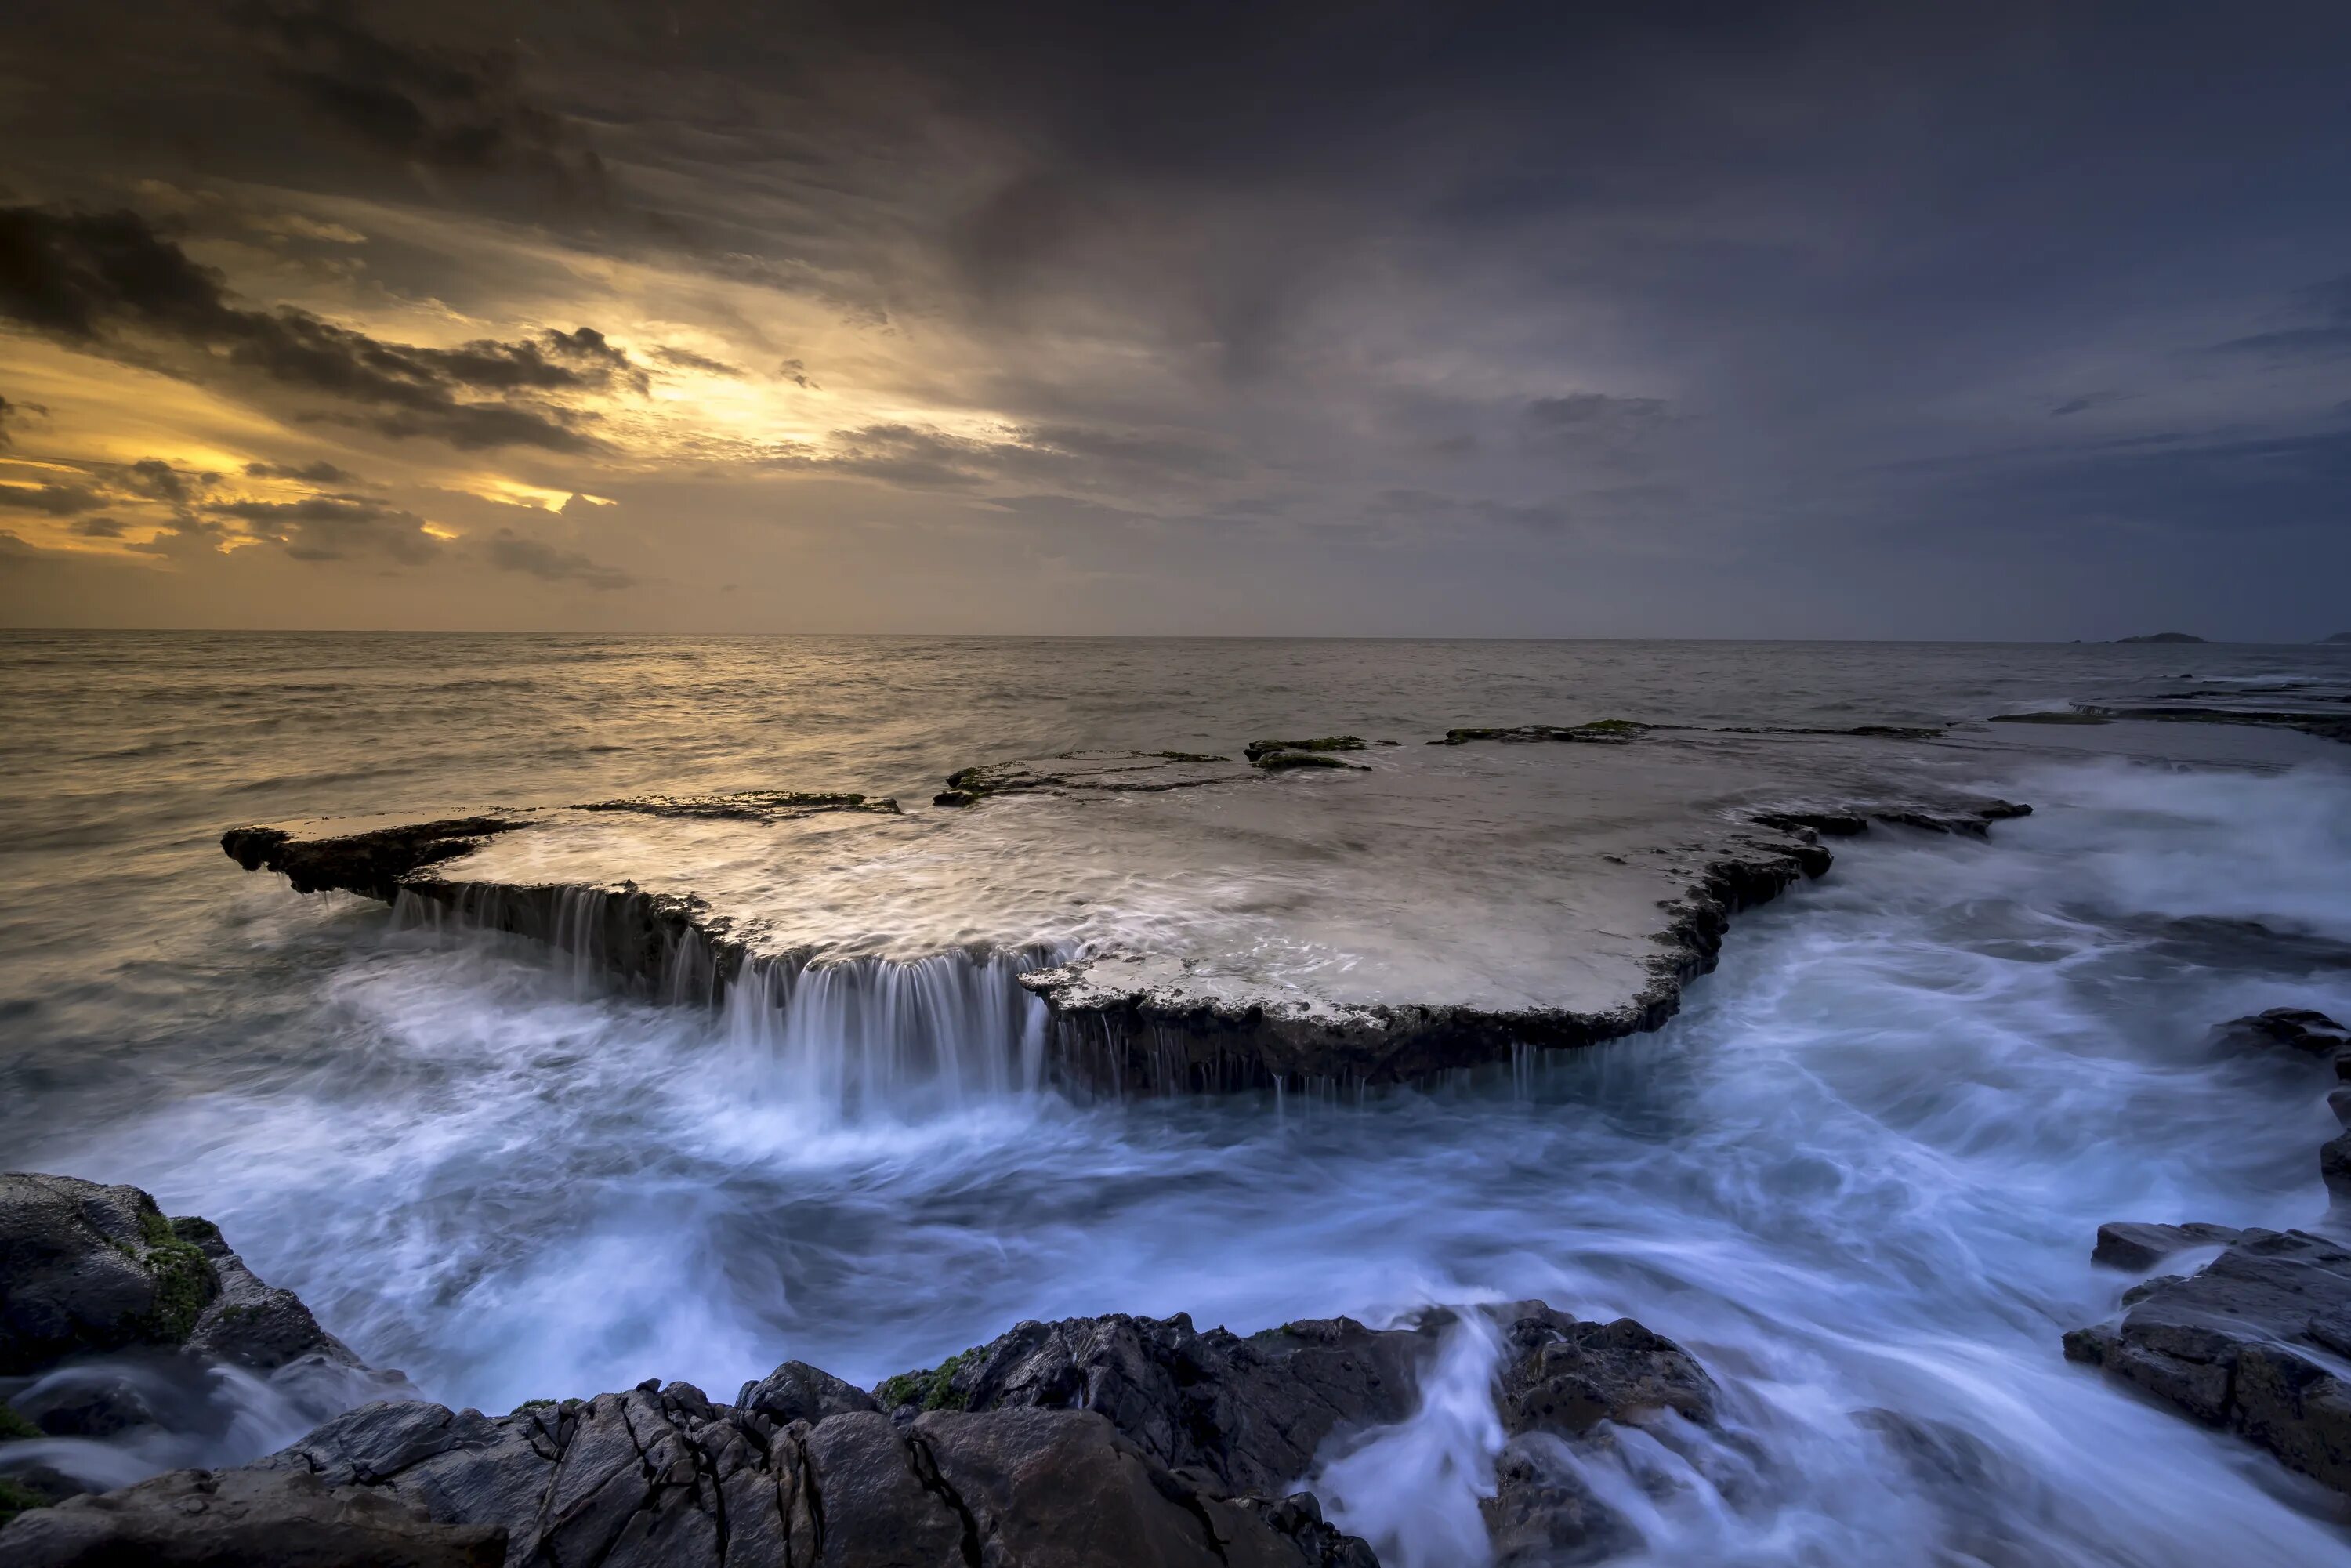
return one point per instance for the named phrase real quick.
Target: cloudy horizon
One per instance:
(1815, 320)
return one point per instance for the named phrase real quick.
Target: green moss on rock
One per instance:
(931, 1390)
(183, 1277)
(16, 1427)
(15, 1498)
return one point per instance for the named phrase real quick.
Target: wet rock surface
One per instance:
(86, 1268)
(1136, 1024)
(748, 805)
(1256, 750)
(114, 1318)
(205, 1519)
(1194, 924)
(2255, 1343)
(2258, 1341)
(1107, 1441)
(375, 864)
(2297, 1029)
(2325, 725)
(1109, 772)
(1602, 732)
(2135, 1247)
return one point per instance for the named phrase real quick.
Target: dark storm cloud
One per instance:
(319, 473)
(1737, 284)
(52, 499)
(158, 480)
(99, 528)
(443, 106)
(109, 283)
(15, 412)
(335, 527)
(511, 551)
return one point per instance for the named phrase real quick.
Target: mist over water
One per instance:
(1859, 1174)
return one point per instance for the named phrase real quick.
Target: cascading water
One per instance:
(892, 1037)
(1858, 1178)
(850, 1037)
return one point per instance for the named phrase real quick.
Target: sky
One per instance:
(1748, 320)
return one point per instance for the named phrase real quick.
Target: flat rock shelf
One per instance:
(1188, 921)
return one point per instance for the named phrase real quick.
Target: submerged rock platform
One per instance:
(1329, 911)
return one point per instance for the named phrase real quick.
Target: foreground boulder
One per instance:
(1111, 1441)
(2136, 1248)
(114, 1317)
(2297, 1029)
(200, 1519)
(2249, 1342)
(86, 1268)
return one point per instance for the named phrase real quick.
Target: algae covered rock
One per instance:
(91, 1268)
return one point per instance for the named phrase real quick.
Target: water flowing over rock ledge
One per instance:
(1425, 911)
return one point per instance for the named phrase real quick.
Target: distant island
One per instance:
(2338, 637)
(2162, 637)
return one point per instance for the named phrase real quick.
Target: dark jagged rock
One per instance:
(86, 1268)
(2068, 715)
(799, 1392)
(1109, 771)
(2136, 1248)
(2325, 725)
(1602, 732)
(1257, 749)
(1249, 1413)
(663, 1477)
(204, 1518)
(2250, 1343)
(2298, 1029)
(748, 805)
(375, 864)
(1288, 762)
(1974, 821)
(1559, 1381)
(113, 1317)
(1564, 1376)
(1090, 1443)
(1830, 824)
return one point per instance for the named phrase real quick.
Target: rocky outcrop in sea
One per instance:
(2258, 1341)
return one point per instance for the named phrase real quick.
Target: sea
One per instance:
(1860, 1172)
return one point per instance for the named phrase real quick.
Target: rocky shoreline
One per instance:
(1105, 1440)
(1083, 1442)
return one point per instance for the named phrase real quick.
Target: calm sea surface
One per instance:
(1861, 1171)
